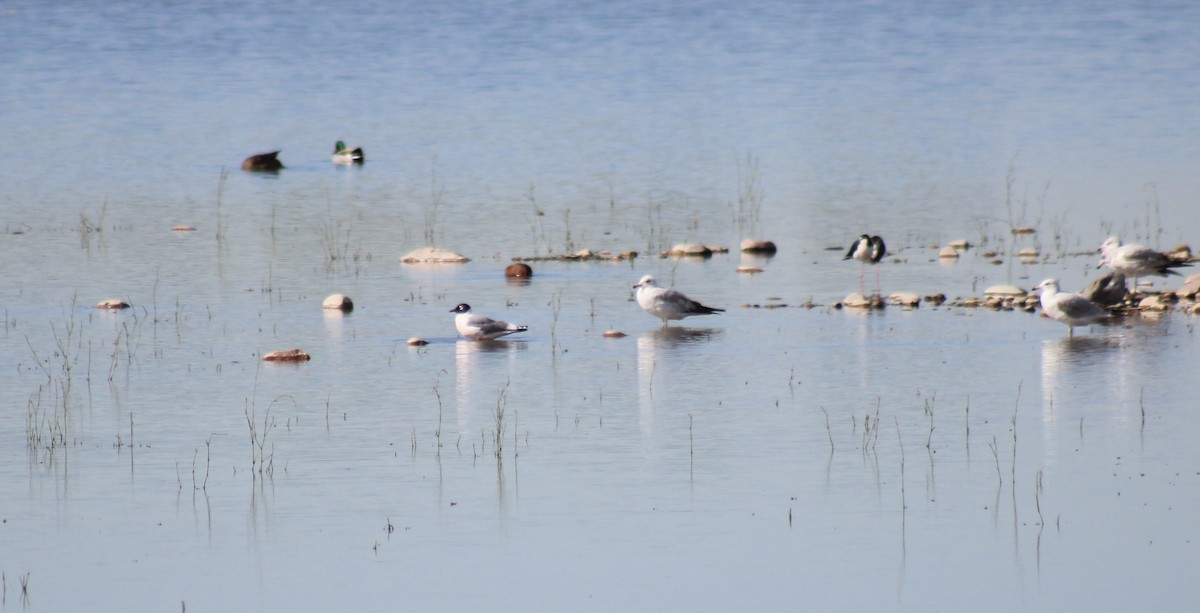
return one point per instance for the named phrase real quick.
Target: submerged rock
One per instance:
(753, 245)
(340, 302)
(112, 303)
(1004, 290)
(518, 270)
(905, 299)
(859, 301)
(287, 355)
(690, 250)
(434, 255)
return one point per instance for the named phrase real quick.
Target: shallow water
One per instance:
(939, 458)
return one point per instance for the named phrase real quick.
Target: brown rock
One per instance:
(287, 355)
(518, 270)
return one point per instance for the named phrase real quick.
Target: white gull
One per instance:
(1136, 260)
(667, 304)
(480, 328)
(1070, 309)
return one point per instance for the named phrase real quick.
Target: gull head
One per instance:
(647, 281)
(1048, 284)
(462, 308)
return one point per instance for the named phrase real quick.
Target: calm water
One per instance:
(933, 459)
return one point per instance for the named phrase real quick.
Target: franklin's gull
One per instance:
(480, 328)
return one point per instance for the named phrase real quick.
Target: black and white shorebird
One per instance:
(480, 328)
(1070, 309)
(868, 250)
(667, 304)
(1136, 260)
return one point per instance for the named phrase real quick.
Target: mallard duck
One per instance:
(262, 162)
(345, 155)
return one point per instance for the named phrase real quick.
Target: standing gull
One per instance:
(1136, 260)
(1071, 309)
(868, 250)
(480, 328)
(667, 304)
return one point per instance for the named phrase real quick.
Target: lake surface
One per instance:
(941, 458)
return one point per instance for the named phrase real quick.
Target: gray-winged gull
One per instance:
(667, 304)
(480, 328)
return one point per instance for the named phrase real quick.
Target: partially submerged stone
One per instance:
(614, 334)
(905, 299)
(960, 243)
(754, 245)
(518, 270)
(749, 269)
(1029, 252)
(1023, 230)
(287, 355)
(1191, 286)
(434, 255)
(183, 228)
(416, 342)
(1004, 290)
(1154, 302)
(690, 250)
(112, 303)
(948, 253)
(340, 302)
(858, 301)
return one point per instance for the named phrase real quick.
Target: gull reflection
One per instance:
(655, 351)
(481, 367)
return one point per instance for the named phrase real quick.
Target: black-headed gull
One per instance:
(1070, 309)
(667, 304)
(868, 250)
(480, 328)
(1136, 260)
